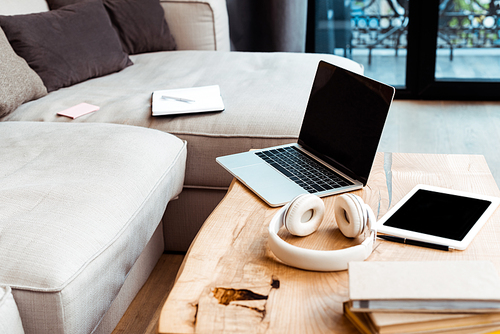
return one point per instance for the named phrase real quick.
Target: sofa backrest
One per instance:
(195, 24)
(16, 7)
(198, 24)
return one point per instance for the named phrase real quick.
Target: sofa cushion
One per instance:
(18, 82)
(78, 204)
(67, 46)
(10, 321)
(140, 24)
(265, 95)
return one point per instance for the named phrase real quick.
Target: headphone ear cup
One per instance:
(304, 215)
(349, 215)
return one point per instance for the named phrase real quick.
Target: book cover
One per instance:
(186, 100)
(360, 320)
(420, 323)
(392, 323)
(431, 286)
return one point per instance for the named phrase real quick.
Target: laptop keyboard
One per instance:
(302, 169)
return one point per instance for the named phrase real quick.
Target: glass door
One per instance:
(371, 32)
(468, 43)
(427, 49)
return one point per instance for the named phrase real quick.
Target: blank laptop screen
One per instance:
(344, 119)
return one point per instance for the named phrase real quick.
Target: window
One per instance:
(435, 49)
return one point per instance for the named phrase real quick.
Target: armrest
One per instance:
(198, 24)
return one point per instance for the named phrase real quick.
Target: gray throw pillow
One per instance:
(67, 46)
(140, 24)
(18, 82)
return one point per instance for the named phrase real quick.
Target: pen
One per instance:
(180, 99)
(413, 242)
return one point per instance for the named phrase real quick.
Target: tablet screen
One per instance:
(439, 214)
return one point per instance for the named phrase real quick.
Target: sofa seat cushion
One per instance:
(78, 204)
(265, 95)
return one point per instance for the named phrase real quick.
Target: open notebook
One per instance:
(187, 100)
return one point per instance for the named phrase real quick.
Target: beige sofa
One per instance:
(265, 95)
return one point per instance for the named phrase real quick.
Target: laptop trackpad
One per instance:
(278, 192)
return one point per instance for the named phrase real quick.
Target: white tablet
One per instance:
(438, 216)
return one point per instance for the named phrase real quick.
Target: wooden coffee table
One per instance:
(231, 282)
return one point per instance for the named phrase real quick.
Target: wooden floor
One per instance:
(413, 127)
(144, 311)
(445, 127)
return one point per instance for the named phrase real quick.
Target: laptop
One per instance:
(338, 140)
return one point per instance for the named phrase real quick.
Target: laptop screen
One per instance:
(344, 119)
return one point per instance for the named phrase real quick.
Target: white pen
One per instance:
(180, 99)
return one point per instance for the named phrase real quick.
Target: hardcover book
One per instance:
(432, 286)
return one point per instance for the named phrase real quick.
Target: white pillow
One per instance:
(10, 321)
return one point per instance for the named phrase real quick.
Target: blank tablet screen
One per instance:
(438, 214)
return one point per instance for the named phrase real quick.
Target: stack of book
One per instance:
(424, 297)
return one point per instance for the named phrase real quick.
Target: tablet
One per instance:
(439, 216)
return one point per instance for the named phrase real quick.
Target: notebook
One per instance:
(186, 101)
(340, 132)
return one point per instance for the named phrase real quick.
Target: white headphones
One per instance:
(303, 215)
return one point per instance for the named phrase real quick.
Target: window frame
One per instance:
(421, 82)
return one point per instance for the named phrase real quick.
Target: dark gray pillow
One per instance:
(67, 46)
(56, 4)
(140, 24)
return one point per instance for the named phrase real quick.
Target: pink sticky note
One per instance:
(78, 110)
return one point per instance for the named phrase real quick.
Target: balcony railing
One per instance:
(379, 25)
(475, 27)
(383, 24)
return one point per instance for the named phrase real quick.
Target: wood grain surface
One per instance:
(230, 282)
